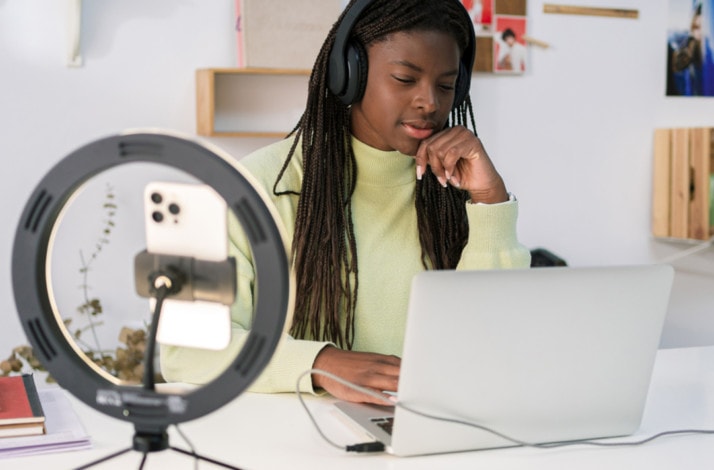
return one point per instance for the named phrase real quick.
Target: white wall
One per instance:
(574, 140)
(573, 137)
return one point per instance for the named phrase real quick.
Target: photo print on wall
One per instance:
(690, 51)
(500, 27)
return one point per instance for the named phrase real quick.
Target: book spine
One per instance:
(32, 395)
(19, 400)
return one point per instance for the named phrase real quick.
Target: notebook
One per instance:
(542, 355)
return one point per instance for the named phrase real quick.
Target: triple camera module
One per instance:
(157, 215)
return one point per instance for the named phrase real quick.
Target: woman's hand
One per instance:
(456, 156)
(374, 371)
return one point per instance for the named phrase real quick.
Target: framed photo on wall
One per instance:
(690, 48)
(509, 46)
(481, 12)
(490, 15)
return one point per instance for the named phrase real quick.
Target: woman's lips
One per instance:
(418, 131)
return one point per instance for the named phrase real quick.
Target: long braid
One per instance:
(441, 214)
(324, 242)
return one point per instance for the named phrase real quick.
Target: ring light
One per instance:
(151, 412)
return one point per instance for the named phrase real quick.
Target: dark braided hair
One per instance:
(324, 246)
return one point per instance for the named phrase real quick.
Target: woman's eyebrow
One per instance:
(416, 68)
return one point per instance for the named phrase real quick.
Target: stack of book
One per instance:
(21, 411)
(37, 421)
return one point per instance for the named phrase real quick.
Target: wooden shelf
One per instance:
(682, 174)
(249, 102)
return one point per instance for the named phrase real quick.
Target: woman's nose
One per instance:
(426, 98)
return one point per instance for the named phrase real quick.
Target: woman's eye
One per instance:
(403, 79)
(447, 86)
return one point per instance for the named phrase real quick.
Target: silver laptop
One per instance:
(540, 355)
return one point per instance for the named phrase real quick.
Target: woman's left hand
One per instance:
(457, 157)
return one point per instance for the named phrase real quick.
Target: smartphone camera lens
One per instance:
(174, 208)
(157, 216)
(156, 198)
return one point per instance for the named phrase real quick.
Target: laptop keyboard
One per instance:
(385, 423)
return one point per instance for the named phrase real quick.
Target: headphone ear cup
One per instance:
(356, 73)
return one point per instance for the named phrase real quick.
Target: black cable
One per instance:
(165, 282)
(190, 446)
(375, 446)
(149, 379)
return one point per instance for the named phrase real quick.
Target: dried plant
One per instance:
(124, 362)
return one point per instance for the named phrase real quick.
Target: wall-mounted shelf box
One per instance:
(681, 189)
(249, 102)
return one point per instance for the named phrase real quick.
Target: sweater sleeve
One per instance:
(291, 358)
(492, 242)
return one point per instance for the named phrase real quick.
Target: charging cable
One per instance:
(163, 285)
(373, 446)
(688, 252)
(377, 446)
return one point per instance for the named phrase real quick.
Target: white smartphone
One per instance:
(185, 219)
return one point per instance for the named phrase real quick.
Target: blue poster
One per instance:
(690, 57)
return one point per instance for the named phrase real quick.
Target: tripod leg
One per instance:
(104, 459)
(204, 458)
(143, 460)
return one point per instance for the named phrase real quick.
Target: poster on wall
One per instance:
(690, 48)
(509, 53)
(481, 12)
(500, 27)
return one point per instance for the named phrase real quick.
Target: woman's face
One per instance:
(410, 90)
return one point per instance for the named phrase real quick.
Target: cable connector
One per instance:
(169, 277)
(375, 446)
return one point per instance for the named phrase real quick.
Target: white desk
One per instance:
(272, 432)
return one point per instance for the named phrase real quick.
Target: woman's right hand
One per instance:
(377, 372)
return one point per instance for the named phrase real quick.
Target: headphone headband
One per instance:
(347, 62)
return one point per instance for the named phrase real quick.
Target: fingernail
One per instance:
(419, 172)
(455, 182)
(441, 180)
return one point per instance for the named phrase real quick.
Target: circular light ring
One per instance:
(149, 409)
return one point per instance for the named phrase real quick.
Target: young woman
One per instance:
(380, 179)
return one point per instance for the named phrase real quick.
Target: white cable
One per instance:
(336, 379)
(518, 442)
(688, 252)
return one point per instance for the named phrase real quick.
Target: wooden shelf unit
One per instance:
(681, 187)
(249, 102)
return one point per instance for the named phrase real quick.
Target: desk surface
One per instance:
(272, 431)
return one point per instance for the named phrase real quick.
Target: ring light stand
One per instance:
(150, 412)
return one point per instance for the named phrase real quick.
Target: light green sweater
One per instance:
(389, 255)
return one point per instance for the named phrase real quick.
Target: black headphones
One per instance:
(347, 66)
